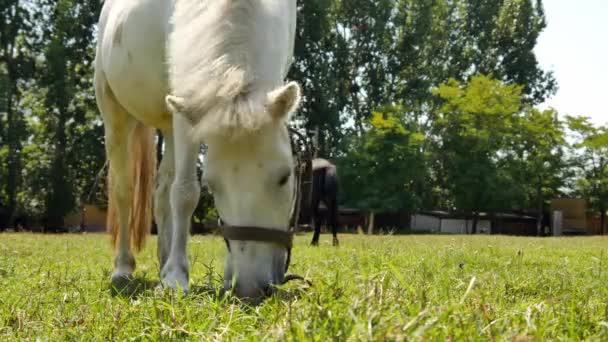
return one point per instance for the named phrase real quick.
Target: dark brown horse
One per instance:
(324, 189)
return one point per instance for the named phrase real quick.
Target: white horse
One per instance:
(201, 71)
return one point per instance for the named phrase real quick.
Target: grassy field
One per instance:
(370, 288)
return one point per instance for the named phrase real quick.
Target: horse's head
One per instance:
(251, 178)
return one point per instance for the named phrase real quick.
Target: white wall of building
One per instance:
(427, 223)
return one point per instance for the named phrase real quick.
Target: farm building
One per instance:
(351, 218)
(444, 222)
(92, 217)
(569, 216)
(437, 222)
(514, 224)
(94, 221)
(453, 223)
(594, 226)
(575, 220)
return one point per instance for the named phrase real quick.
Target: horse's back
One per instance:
(320, 163)
(130, 57)
(132, 51)
(325, 177)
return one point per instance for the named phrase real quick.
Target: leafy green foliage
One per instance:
(355, 56)
(591, 159)
(368, 69)
(18, 47)
(472, 128)
(53, 132)
(539, 163)
(387, 156)
(495, 151)
(69, 56)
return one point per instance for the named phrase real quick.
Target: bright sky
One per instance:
(575, 46)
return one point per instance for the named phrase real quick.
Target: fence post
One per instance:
(557, 223)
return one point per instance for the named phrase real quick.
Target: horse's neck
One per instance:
(249, 42)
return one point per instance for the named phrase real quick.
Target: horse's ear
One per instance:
(284, 100)
(175, 104)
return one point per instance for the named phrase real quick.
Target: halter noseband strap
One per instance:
(245, 233)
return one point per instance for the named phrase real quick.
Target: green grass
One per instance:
(370, 288)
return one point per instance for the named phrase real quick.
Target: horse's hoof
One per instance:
(314, 243)
(175, 284)
(335, 243)
(174, 278)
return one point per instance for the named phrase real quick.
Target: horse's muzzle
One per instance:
(253, 292)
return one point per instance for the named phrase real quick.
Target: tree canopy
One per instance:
(422, 104)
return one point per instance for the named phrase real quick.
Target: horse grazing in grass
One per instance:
(202, 72)
(324, 189)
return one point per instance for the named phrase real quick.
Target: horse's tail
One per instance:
(143, 167)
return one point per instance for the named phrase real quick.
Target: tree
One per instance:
(344, 62)
(591, 159)
(353, 59)
(518, 26)
(71, 112)
(471, 130)
(539, 164)
(439, 40)
(315, 68)
(17, 64)
(382, 168)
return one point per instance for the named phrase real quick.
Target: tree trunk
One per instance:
(603, 220)
(58, 206)
(321, 151)
(59, 199)
(315, 143)
(14, 150)
(370, 223)
(475, 219)
(539, 218)
(358, 116)
(10, 136)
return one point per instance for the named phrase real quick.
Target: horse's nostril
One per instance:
(269, 290)
(255, 292)
(248, 292)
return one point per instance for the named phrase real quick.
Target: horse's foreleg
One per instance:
(185, 192)
(332, 208)
(318, 181)
(331, 199)
(316, 221)
(162, 204)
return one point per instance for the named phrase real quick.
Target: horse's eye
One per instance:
(284, 179)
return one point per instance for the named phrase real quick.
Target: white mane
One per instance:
(214, 67)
